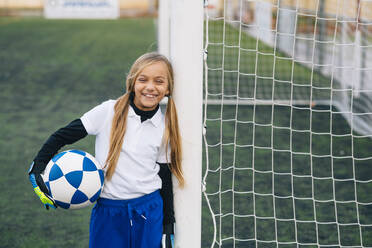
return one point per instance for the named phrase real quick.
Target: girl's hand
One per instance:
(168, 236)
(40, 188)
(167, 241)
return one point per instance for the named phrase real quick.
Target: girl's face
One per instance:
(151, 86)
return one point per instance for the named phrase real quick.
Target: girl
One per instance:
(140, 148)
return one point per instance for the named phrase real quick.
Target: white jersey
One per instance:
(136, 173)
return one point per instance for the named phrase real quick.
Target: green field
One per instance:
(53, 71)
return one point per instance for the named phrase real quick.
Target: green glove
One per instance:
(40, 188)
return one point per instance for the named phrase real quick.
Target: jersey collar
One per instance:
(155, 120)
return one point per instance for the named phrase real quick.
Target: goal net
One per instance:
(288, 123)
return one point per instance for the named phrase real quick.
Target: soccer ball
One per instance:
(74, 179)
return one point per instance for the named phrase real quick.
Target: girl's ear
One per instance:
(167, 92)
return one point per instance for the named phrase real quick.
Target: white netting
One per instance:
(288, 117)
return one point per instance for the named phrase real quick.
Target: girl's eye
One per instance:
(159, 81)
(141, 79)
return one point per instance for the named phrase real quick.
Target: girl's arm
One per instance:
(167, 194)
(66, 135)
(69, 134)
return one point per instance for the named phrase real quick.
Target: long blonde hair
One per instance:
(171, 134)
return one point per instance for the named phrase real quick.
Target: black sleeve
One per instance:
(167, 193)
(69, 134)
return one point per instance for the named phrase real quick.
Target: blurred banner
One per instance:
(82, 9)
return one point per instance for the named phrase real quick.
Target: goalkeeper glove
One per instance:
(40, 188)
(168, 236)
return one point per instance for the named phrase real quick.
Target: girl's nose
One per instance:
(150, 85)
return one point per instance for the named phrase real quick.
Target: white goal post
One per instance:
(180, 38)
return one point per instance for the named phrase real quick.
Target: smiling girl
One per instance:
(140, 148)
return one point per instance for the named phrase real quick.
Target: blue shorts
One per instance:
(134, 223)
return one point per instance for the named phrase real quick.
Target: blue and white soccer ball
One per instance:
(74, 179)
